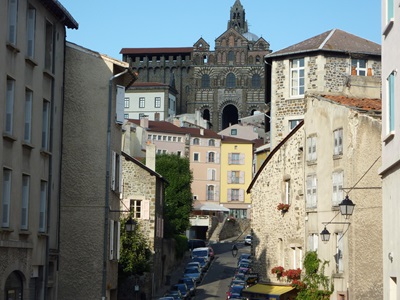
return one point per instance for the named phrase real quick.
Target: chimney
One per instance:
(144, 122)
(151, 156)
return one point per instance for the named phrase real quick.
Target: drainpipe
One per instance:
(107, 195)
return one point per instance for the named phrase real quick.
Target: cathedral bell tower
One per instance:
(238, 20)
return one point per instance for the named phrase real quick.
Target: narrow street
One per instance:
(215, 283)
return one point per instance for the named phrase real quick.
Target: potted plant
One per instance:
(278, 271)
(283, 207)
(292, 274)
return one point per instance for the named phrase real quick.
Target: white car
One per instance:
(248, 239)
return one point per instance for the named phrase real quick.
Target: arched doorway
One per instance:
(230, 116)
(206, 114)
(14, 287)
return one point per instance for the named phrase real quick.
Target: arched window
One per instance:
(205, 81)
(231, 56)
(206, 114)
(230, 80)
(196, 141)
(256, 81)
(211, 143)
(211, 156)
(258, 59)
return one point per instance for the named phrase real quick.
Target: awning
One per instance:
(267, 289)
(210, 207)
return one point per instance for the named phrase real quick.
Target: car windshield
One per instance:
(200, 253)
(191, 271)
(236, 289)
(244, 265)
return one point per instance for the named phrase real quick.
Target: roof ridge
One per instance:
(327, 38)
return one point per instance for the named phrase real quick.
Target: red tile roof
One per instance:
(362, 104)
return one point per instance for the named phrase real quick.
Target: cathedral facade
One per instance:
(224, 84)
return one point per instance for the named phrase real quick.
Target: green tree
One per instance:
(314, 284)
(178, 194)
(134, 253)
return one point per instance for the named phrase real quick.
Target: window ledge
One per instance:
(42, 234)
(311, 162)
(25, 232)
(337, 156)
(388, 27)
(337, 275)
(45, 152)
(27, 146)
(6, 230)
(30, 61)
(12, 47)
(48, 73)
(388, 137)
(9, 137)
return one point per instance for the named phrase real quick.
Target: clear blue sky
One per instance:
(109, 26)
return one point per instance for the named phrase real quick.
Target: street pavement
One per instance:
(212, 280)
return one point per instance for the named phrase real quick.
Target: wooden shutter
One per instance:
(230, 158)
(229, 196)
(118, 239)
(111, 239)
(113, 164)
(229, 176)
(242, 158)
(314, 191)
(216, 189)
(309, 148)
(241, 177)
(334, 189)
(145, 215)
(120, 174)
(241, 195)
(217, 157)
(6, 200)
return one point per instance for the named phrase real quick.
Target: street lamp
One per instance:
(346, 207)
(325, 235)
(130, 225)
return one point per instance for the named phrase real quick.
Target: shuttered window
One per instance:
(6, 198)
(25, 202)
(311, 191)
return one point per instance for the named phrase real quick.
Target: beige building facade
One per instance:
(31, 108)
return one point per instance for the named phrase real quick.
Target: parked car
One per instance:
(183, 288)
(235, 291)
(248, 239)
(166, 298)
(177, 295)
(194, 273)
(203, 262)
(190, 283)
(194, 264)
(244, 268)
(244, 260)
(196, 243)
(201, 252)
(244, 256)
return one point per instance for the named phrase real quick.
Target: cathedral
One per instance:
(224, 85)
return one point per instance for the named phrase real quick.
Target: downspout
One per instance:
(107, 185)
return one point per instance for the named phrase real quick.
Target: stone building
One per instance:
(390, 169)
(224, 85)
(143, 195)
(91, 173)
(343, 142)
(278, 235)
(32, 55)
(330, 62)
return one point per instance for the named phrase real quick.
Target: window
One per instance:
(233, 131)
(235, 195)
(179, 153)
(211, 143)
(49, 47)
(142, 115)
(236, 159)
(231, 56)
(136, 208)
(312, 148)
(238, 213)
(210, 192)
(25, 202)
(126, 102)
(28, 116)
(339, 253)
(126, 116)
(45, 125)
(338, 141)
(196, 157)
(159, 137)
(211, 157)
(235, 177)
(313, 242)
(157, 102)
(230, 80)
(389, 10)
(169, 138)
(256, 81)
(12, 21)
(211, 174)
(390, 103)
(287, 191)
(115, 228)
(196, 141)
(6, 196)
(359, 67)
(337, 185)
(141, 102)
(164, 138)
(30, 31)
(9, 106)
(43, 206)
(311, 201)
(179, 139)
(297, 77)
(293, 124)
(116, 172)
(205, 81)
